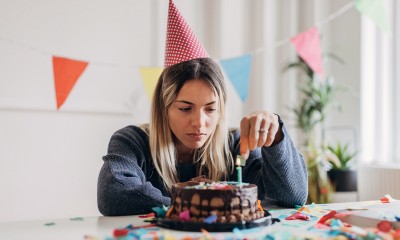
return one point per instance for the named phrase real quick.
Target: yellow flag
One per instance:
(150, 76)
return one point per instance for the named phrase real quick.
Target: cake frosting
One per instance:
(202, 200)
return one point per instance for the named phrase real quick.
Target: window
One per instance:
(380, 89)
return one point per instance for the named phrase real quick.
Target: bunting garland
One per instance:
(238, 71)
(66, 74)
(67, 71)
(308, 47)
(150, 76)
(375, 10)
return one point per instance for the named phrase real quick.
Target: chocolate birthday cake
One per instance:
(202, 200)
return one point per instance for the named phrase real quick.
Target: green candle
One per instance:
(239, 171)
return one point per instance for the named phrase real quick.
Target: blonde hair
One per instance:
(213, 159)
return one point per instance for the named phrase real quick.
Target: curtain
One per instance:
(380, 101)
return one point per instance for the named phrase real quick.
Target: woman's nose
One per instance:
(198, 119)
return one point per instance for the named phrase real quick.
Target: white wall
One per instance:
(49, 160)
(344, 41)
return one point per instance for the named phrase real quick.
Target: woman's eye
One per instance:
(211, 109)
(185, 109)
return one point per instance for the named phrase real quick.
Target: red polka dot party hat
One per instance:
(182, 44)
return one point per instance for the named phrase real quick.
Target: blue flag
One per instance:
(238, 71)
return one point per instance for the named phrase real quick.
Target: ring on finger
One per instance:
(262, 130)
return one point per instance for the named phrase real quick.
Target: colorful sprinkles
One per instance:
(216, 185)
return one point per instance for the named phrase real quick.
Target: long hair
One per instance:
(213, 159)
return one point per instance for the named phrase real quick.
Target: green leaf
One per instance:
(345, 157)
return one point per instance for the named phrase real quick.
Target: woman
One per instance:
(187, 137)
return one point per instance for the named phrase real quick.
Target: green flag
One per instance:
(376, 11)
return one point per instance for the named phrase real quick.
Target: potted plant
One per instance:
(317, 96)
(341, 175)
(319, 187)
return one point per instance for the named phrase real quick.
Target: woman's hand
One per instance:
(259, 129)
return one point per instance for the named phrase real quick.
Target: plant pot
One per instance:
(343, 180)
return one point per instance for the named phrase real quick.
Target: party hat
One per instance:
(182, 44)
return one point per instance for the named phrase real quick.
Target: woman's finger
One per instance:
(254, 134)
(244, 138)
(273, 129)
(263, 132)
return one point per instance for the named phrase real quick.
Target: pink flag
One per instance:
(308, 47)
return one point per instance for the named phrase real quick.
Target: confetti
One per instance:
(385, 200)
(159, 212)
(148, 215)
(390, 198)
(120, 232)
(385, 226)
(238, 233)
(330, 225)
(146, 226)
(336, 223)
(321, 226)
(206, 234)
(304, 209)
(344, 214)
(187, 238)
(130, 226)
(298, 215)
(89, 237)
(330, 215)
(150, 220)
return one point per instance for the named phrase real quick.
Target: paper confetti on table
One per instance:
(330, 215)
(159, 211)
(238, 233)
(148, 215)
(298, 216)
(385, 200)
(314, 221)
(206, 234)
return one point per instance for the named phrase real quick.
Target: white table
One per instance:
(103, 227)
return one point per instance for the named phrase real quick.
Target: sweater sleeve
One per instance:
(279, 172)
(127, 183)
(286, 181)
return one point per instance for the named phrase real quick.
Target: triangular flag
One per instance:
(238, 71)
(150, 77)
(307, 45)
(66, 73)
(375, 10)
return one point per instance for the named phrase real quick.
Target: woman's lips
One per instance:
(196, 136)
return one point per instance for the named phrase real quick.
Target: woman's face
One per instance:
(194, 115)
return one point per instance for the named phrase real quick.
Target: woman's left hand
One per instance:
(259, 129)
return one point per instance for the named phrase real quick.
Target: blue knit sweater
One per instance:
(129, 184)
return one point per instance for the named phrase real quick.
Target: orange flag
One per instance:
(66, 73)
(308, 47)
